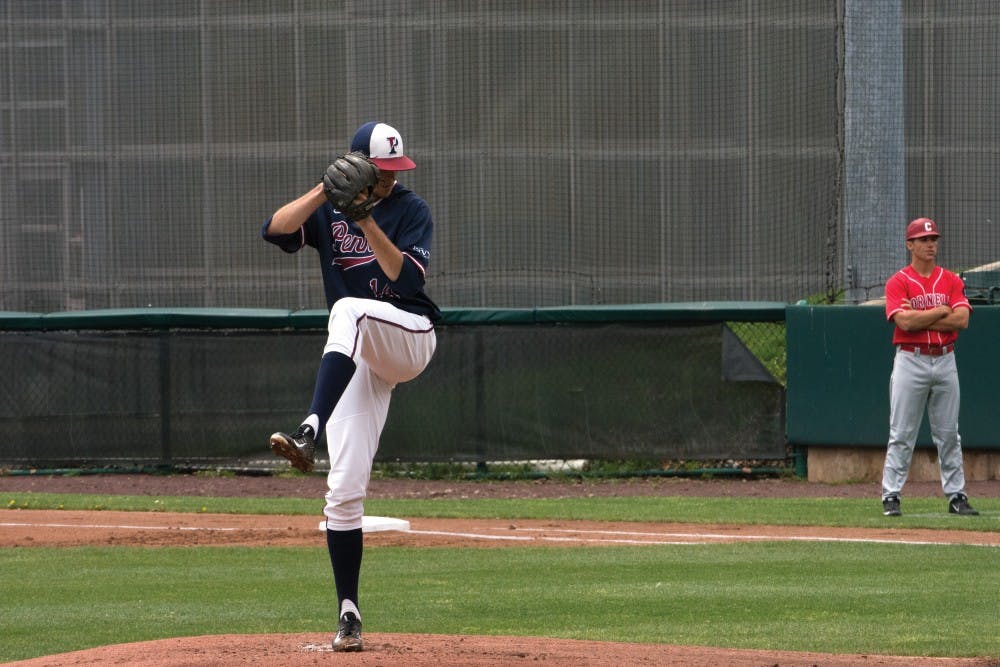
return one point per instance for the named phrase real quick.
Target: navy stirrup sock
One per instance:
(345, 548)
(335, 372)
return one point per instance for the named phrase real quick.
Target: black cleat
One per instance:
(890, 506)
(348, 637)
(960, 505)
(299, 448)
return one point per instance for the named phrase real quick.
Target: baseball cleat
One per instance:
(348, 637)
(299, 448)
(960, 505)
(890, 506)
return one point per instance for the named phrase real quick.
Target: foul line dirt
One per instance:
(70, 528)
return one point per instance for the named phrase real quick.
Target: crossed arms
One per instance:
(940, 318)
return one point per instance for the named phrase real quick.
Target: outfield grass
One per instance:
(837, 598)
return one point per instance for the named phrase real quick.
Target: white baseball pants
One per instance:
(920, 381)
(389, 346)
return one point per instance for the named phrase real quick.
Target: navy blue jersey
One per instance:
(348, 263)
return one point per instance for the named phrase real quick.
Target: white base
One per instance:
(374, 524)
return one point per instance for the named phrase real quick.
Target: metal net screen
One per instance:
(952, 138)
(571, 152)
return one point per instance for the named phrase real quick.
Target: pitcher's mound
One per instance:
(411, 650)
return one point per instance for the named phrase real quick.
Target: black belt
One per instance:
(932, 350)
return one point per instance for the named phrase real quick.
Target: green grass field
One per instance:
(828, 597)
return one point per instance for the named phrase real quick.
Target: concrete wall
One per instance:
(856, 464)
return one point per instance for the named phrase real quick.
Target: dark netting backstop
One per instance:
(572, 152)
(502, 386)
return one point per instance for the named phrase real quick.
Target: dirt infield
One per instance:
(67, 528)
(408, 650)
(28, 528)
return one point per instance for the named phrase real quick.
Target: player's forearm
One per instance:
(388, 256)
(292, 216)
(954, 321)
(920, 320)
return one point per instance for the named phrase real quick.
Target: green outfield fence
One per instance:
(192, 387)
(701, 383)
(839, 360)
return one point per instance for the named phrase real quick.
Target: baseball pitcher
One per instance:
(373, 238)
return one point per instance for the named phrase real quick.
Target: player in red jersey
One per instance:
(927, 304)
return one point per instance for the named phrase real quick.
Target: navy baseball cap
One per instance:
(920, 228)
(383, 145)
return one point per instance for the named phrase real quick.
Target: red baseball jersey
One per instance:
(942, 287)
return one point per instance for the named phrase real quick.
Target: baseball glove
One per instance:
(348, 178)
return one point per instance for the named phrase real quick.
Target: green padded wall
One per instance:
(839, 360)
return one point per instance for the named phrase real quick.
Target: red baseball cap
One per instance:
(921, 227)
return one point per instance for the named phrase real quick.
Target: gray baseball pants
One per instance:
(919, 381)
